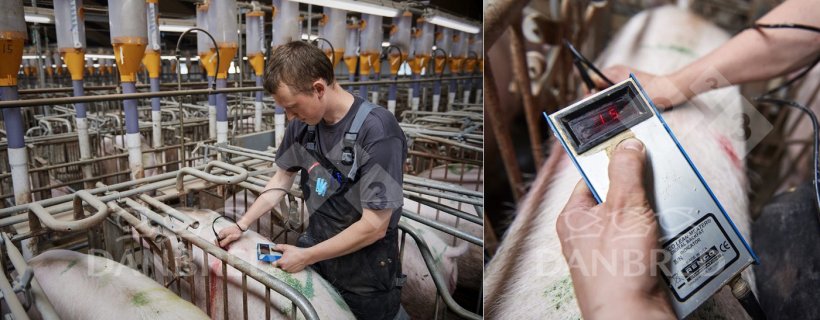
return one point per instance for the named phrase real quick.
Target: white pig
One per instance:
(528, 277)
(115, 145)
(418, 295)
(82, 286)
(324, 298)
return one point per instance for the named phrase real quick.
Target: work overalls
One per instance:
(367, 279)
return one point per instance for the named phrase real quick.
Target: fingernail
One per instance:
(631, 144)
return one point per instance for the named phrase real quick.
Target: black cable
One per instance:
(786, 26)
(747, 299)
(582, 63)
(315, 42)
(779, 102)
(814, 125)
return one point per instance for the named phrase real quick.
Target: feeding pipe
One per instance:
(285, 27)
(129, 36)
(255, 50)
(223, 27)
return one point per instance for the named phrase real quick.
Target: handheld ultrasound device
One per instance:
(264, 252)
(704, 249)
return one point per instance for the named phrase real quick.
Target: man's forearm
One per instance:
(268, 200)
(758, 54)
(360, 234)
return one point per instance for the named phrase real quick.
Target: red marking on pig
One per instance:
(726, 145)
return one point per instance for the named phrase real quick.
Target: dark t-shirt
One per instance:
(381, 152)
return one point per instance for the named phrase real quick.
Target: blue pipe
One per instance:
(363, 88)
(416, 86)
(258, 93)
(391, 94)
(13, 119)
(132, 124)
(79, 108)
(221, 101)
(155, 106)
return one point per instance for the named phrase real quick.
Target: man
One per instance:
(351, 182)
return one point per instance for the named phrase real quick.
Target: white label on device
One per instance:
(698, 254)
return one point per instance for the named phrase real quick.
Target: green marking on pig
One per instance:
(139, 299)
(679, 49)
(70, 265)
(456, 168)
(336, 296)
(306, 290)
(560, 293)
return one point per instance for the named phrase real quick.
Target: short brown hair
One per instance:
(297, 64)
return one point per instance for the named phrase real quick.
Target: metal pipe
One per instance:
(58, 204)
(10, 297)
(77, 225)
(242, 174)
(442, 227)
(156, 115)
(187, 221)
(18, 156)
(221, 112)
(176, 93)
(211, 110)
(444, 195)
(133, 140)
(143, 227)
(522, 79)
(263, 277)
(500, 130)
(498, 14)
(41, 302)
(258, 105)
(450, 210)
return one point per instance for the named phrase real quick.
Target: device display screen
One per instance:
(604, 117)
(265, 249)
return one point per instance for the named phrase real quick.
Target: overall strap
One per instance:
(311, 138)
(351, 135)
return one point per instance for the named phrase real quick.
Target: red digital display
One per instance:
(600, 120)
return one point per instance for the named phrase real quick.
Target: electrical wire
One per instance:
(583, 64)
(764, 98)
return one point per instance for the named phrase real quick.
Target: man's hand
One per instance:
(294, 259)
(228, 235)
(665, 91)
(612, 249)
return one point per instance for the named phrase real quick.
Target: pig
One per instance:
(237, 204)
(471, 263)
(116, 145)
(82, 286)
(328, 303)
(528, 277)
(418, 295)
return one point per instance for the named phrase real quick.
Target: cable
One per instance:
(779, 102)
(582, 63)
(292, 210)
(814, 125)
(315, 42)
(740, 288)
(743, 293)
(786, 26)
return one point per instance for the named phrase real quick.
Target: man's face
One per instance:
(306, 107)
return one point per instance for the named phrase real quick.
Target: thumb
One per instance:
(282, 247)
(581, 197)
(626, 175)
